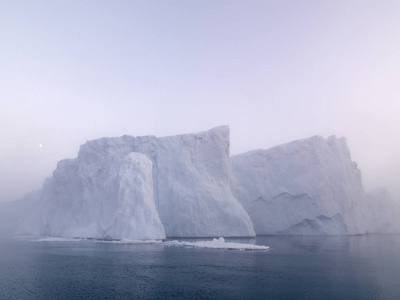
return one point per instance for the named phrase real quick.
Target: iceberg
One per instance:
(306, 187)
(147, 188)
(139, 188)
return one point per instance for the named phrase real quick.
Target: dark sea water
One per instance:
(355, 267)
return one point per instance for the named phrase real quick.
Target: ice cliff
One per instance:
(307, 187)
(141, 188)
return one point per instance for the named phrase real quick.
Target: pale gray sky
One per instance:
(275, 71)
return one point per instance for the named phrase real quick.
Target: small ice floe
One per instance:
(108, 241)
(57, 239)
(216, 244)
(128, 241)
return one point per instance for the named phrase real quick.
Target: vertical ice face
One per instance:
(105, 168)
(309, 186)
(136, 216)
(194, 195)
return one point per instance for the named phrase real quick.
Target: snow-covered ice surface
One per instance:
(215, 244)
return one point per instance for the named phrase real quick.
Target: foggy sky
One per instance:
(275, 71)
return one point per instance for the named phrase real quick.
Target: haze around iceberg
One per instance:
(276, 71)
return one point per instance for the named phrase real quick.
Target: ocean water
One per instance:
(338, 267)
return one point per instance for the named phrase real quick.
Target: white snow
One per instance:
(216, 244)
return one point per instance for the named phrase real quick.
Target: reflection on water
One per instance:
(296, 267)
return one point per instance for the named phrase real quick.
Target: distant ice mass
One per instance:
(216, 244)
(147, 188)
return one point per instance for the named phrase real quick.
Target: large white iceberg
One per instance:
(148, 188)
(141, 188)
